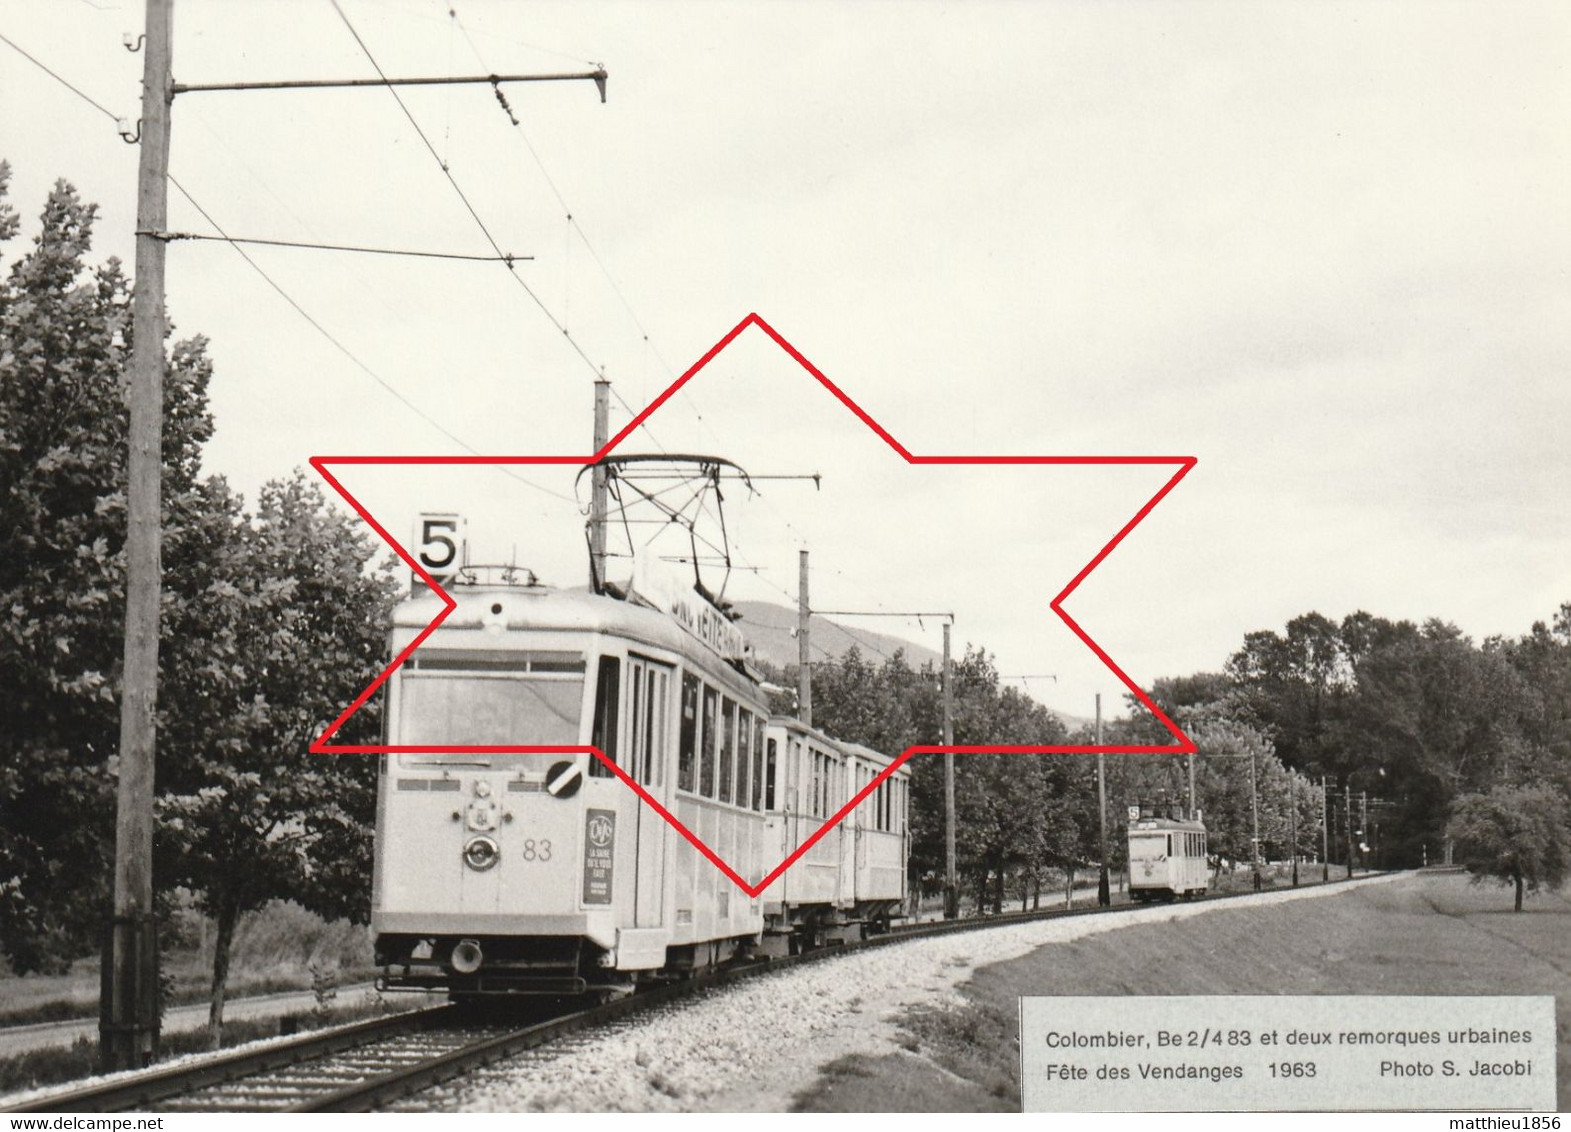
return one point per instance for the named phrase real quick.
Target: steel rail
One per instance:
(145, 1089)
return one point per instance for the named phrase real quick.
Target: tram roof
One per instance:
(547, 608)
(792, 723)
(868, 753)
(1165, 825)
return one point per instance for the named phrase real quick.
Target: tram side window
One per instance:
(769, 775)
(744, 755)
(727, 748)
(709, 743)
(795, 781)
(818, 774)
(652, 724)
(758, 764)
(607, 700)
(687, 741)
(637, 752)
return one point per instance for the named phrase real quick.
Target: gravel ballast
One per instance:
(756, 1045)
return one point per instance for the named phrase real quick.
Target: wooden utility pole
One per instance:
(1104, 892)
(1254, 816)
(1193, 806)
(128, 1000)
(1325, 831)
(1348, 787)
(597, 496)
(1292, 809)
(804, 661)
(1363, 827)
(951, 878)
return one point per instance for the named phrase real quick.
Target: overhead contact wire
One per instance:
(350, 354)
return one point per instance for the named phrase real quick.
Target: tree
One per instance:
(1518, 835)
(65, 333)
(1438, 717)
(270, 624)
(1015, 813)
(1296, 686)
(294, 627)
(1542, 658)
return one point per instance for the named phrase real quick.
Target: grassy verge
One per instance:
(82, 1003)
(1419, 935)
(274, 950)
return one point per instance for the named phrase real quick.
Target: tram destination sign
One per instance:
(670, 594)
(441, 546)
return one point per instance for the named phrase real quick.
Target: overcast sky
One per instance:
(1322, 247)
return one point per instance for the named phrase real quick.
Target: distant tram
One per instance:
(1167, 857)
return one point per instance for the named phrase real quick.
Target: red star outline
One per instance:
(1181, 464)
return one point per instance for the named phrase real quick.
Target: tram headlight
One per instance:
(481, 853)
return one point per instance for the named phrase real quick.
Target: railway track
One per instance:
(369, 1065)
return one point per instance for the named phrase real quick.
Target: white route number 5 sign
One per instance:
(439, 545)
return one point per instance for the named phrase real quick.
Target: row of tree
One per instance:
(271, 621)
(1021, 815)
(1402, 742)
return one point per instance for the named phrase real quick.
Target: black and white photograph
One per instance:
(763, 557)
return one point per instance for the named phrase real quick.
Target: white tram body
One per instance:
(855, 873)
(1167, 859)
(544, 873)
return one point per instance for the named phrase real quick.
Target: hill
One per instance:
(771, 630)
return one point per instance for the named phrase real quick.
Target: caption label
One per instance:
(1308, 1052)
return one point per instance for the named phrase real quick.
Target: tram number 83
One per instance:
(536, 850)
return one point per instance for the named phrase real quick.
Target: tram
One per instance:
(1167, 856)
(544, 873)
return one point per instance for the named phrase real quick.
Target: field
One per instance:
(1425, 934)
